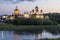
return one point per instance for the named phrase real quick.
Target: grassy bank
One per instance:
(51, 39)
(31, 28)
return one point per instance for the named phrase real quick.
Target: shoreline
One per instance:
(30, 28)
(51, 39)
(51, 28)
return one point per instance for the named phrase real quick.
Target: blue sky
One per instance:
(8, 6)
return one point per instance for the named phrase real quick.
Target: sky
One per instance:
(8, 6)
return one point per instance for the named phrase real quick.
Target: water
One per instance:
(12, 35)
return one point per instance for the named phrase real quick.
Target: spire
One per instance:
(16, 7)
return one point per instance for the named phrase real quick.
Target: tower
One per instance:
(16, 12)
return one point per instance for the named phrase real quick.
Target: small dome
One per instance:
(36, 7)
(32, 10)
(41, 10)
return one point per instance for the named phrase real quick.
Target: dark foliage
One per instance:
(54, 17)
(33, 21)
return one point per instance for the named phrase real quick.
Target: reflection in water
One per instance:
(15, 35)
(37, 36)
(2, 34)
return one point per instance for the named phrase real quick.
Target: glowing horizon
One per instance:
(8, 6)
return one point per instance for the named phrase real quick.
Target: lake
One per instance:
(16, 35)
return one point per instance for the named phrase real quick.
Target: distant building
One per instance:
(26, 15)
(11, 17)
(16, 12)
(4, 17)
(35, 13)
(46, 17)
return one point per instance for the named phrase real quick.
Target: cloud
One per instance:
(14, 1)
(3, 2)
(28, 5)
(19, 1)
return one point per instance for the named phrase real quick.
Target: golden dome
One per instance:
(16, 11)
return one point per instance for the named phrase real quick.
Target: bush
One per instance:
(32, 21)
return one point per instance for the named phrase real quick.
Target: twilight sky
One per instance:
(8, 6)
